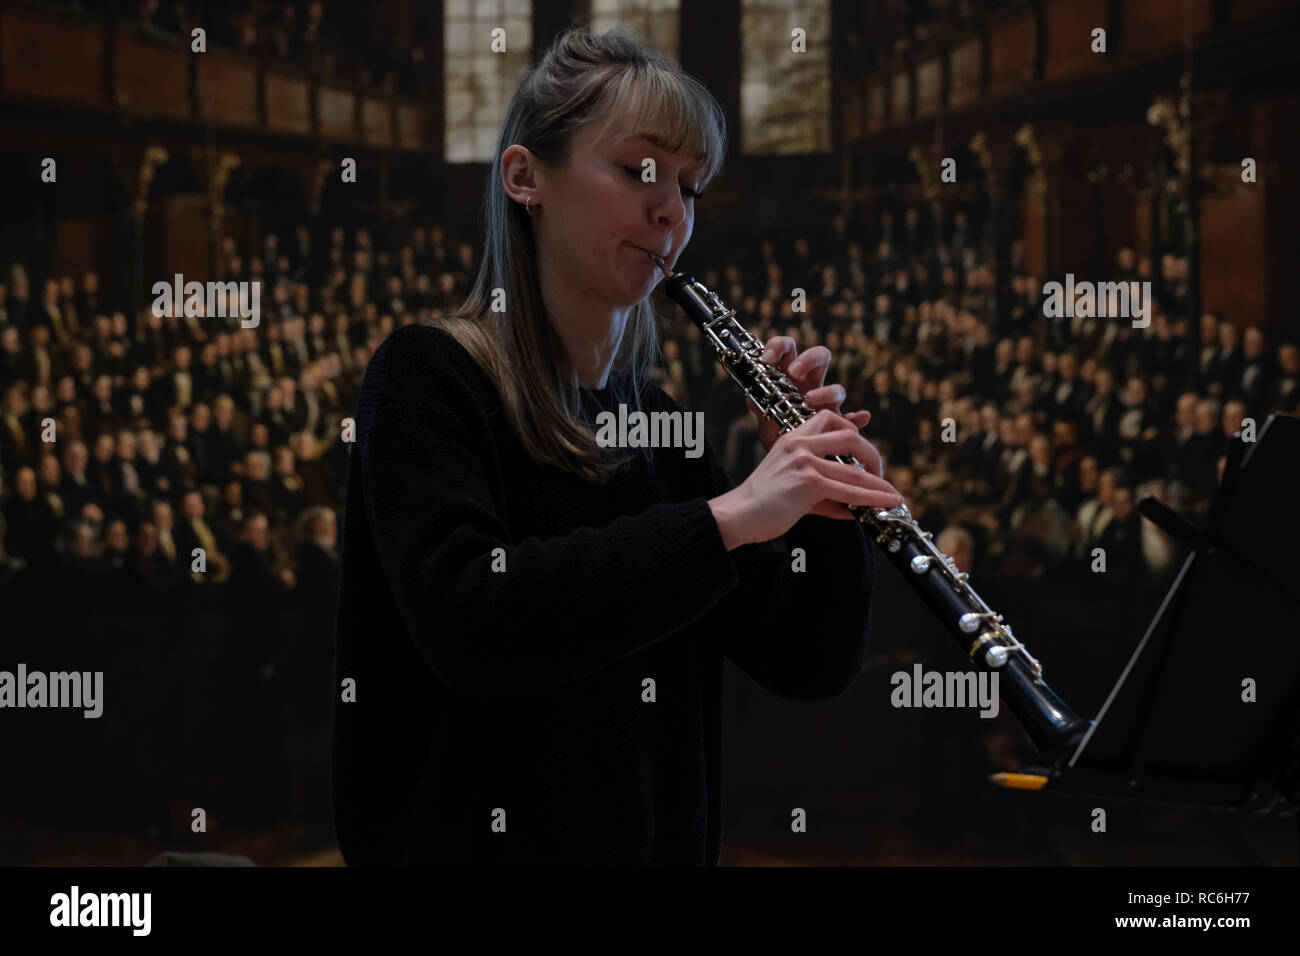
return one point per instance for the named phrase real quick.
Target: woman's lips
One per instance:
(648, 252)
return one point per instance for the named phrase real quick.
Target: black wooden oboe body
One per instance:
(1052, 726)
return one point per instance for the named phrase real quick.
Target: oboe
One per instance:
(1053, 727)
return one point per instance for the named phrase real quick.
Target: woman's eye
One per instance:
(634, 172)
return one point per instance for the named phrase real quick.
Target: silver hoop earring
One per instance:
(529, 206)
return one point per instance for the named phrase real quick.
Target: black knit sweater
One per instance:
(538, 660)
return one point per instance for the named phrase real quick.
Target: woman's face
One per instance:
(597, 214)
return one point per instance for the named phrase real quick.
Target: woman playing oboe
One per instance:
(532, 626)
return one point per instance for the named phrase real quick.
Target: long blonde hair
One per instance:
(583, 77)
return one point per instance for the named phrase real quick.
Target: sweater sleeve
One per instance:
(493, 617)
(801, 634)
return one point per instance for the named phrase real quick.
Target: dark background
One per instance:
(1067, 170)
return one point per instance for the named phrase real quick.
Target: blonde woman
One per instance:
(532, 626)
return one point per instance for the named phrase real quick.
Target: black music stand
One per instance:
(1174, 729)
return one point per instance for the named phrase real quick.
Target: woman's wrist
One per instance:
(728, 516)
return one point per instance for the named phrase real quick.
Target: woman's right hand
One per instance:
(795, 479)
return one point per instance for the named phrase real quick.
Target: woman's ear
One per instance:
(518, 175)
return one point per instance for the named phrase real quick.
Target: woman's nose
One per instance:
(672, 208)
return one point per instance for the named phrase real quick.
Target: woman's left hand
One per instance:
(807, 371)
